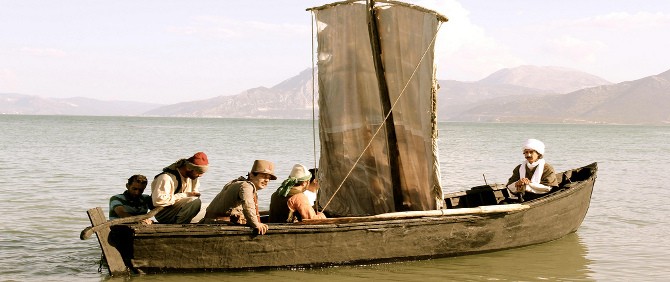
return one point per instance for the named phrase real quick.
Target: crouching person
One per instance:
(177, 189)
(237, 203)
(289, 203)
(132, 202)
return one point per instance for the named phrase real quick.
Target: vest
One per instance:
(177, 175)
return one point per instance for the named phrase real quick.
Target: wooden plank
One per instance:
(88, 231)
(115, 262)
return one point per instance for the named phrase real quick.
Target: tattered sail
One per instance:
(371, 163)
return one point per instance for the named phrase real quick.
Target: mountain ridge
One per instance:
(508, 95)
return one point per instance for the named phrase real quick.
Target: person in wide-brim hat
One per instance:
(237, 203)
(263, 166)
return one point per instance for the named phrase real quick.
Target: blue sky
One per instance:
(174, 51)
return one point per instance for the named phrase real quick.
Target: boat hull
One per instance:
(195, 247)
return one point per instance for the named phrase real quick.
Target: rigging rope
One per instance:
(386, 117)
(313, 94)
(316, 164)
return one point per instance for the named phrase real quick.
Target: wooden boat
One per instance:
(378, 168)
(481, 219)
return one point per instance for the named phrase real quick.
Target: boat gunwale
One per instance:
(206, 230)
(141, 230)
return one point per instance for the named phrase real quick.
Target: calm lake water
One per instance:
(57, 167)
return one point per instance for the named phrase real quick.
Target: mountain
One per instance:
(290, 99)
(11, 103)
(553, 79)
(455, 97)
(293, 99)
(642, 101)
(522, 94)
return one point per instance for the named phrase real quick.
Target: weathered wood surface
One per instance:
(162, 247)
(414, 214)
(88, 231)
(114, 259)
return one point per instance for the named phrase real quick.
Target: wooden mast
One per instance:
(392, 140)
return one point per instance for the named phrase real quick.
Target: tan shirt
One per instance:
(235, 199)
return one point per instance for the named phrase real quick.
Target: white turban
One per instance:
(534, 144)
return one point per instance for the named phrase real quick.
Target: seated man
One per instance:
(534, 176)
(177, 189)
(132, 202)
(237, 203)
(289, 203)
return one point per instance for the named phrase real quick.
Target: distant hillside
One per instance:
(293, 99)
(290, 99)
(642, 101)
(11, 103)
(554, 79)
(455, 97)
(522, 94)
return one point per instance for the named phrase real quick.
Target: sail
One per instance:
(371, 164)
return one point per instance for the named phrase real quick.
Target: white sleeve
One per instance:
(162, 191)
(538, 188)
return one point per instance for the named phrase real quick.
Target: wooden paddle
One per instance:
(88, 231)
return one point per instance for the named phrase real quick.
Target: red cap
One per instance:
(199, 159)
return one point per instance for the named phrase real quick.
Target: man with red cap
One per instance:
(237, 203)
(177, 189)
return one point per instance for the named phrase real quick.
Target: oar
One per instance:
(88, 231)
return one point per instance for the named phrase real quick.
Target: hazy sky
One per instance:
(166, 51)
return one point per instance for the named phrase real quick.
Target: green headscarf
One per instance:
(291, 181)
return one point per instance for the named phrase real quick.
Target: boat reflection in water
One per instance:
(560, 260)
(563, 259)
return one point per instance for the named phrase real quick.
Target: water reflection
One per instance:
(561, 260)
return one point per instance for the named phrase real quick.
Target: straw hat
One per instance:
(263, 166)
(300, 172)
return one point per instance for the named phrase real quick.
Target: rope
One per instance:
(313, 93)
(314, 98)
(102, 259)
(386, 117)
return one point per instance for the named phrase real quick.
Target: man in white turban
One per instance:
(534, 175)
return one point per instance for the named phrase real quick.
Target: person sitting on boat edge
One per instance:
(237, 203)
(177, 189)
(534, 176)
(132, 202)
(312, 187)
(289, 203)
